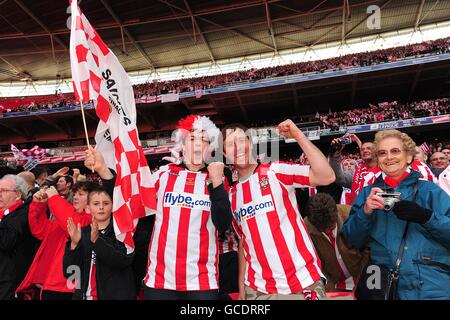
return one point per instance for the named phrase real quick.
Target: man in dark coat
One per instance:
(17, 245)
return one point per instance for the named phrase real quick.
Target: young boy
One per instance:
(105, 267)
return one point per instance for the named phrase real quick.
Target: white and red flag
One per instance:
(98, 75)
(29, 158)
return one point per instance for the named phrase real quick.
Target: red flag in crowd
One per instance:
(29, 158)
(98, 75)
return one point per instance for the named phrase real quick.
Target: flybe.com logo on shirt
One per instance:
(254, 208)
(187, 200)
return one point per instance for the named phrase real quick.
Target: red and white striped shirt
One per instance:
(280, 256)
(312, 192)
(230, 242)
(183, 252)
(91, 292)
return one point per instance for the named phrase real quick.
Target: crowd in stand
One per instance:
(385, 111)
(37, 104)
(336, 63)
(237, 230)
(374, 113)
(207, 82)
(52, 225)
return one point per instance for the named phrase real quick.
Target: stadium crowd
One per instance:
(374, 113)
(385, 111)
(338, 63)
(58, 101)
(206, 82)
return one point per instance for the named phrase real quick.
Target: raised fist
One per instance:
(51, 191)
(40, 196)
(288, 129)
(215, 170)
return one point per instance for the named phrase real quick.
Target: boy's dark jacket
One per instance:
(115, 279)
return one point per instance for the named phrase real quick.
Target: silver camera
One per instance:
(389, 199)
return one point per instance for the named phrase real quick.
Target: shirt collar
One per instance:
(5, 212)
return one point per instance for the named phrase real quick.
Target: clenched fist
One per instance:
(95, 161)
(288, 129)
(51, 191)
(215, 170)
(76, 174)
(40, 196)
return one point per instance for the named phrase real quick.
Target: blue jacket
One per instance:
(424, 243)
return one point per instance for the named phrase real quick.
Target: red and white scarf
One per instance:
(346, 196)
(358, 180)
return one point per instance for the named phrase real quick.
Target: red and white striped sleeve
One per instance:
(291, 174)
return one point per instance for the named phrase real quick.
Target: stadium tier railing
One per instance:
(260, 135)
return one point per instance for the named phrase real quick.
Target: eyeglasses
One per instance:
(439, 159)
(393, 152)
(2, 191)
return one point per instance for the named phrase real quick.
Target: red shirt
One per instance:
(91, 292)
(47, 266)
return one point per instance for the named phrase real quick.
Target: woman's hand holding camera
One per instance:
(373, 202)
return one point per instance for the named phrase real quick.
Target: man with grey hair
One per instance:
(439, 162)
(17, 246)
(30, 179)
(420, 155)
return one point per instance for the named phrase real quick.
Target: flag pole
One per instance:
(85, 127)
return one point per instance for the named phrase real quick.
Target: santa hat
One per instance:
(187, 125)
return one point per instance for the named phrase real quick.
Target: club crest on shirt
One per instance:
(264, 183)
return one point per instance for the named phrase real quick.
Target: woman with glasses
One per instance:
(420, 216)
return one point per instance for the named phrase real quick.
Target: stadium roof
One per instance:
(146, 34)
(410, 83)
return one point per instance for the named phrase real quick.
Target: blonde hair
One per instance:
(408, 144)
